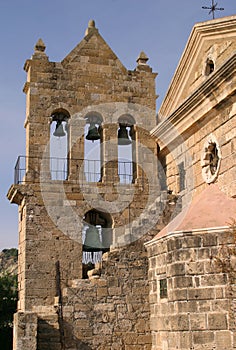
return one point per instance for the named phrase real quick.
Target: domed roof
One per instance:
(210, 209)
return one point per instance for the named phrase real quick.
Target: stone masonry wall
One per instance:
(110, 311)
(42, 242)
(222, 124)
(199, 309)
(189, 147)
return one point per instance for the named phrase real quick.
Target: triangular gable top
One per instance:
(210, 44)
(92, 45)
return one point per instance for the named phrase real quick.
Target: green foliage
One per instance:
(8, 305)
(11, 253)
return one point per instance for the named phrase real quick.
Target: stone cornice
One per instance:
(15, 194)
(218, 87)
(174, 234)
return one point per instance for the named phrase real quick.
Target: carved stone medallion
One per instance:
(210, 160)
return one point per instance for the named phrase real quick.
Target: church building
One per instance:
(127, 234)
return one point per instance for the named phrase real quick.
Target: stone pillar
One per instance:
(25, 331)
(145, 157)
(36, 124)
(110, 153)
(76, 150)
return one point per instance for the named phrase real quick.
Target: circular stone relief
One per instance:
(210, 160)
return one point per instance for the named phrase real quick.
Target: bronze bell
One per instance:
(93, 133)
(92, 242)
(123, 138)
(59, 131)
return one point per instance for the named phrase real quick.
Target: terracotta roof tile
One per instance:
(212, 208)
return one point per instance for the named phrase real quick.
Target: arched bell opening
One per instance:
(96, 238)
(59, 144)
(93, 147)
(126, 149)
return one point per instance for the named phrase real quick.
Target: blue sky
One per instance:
(158, 27)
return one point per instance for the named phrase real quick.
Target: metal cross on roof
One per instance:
(213, 8)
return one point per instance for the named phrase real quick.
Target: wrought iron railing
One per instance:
(87, 170)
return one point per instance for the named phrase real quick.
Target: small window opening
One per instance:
(210, 67)
(163, 288)
(181, 176)
(161, 171)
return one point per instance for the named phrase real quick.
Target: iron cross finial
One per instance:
(213, 8)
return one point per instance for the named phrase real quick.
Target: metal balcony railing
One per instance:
(87, 170)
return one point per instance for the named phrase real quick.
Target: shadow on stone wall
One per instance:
(50, 337)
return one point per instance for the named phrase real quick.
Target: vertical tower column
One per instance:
(110, 154)
(76, 150)
(36, 125)
(145, 157)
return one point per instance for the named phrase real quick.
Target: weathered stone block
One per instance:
(205, 305)
(204, 253)
(102, 292)
(82, 323)
(176, 269)
(224, 340)
(195, 268)
(178, 294)
(179, 323)
(214, 279)
(144, 339)
(124, 325)
(130, 338)
(185, 340)
(217, 321)
(186, 306)
(192, 241)
(197, 321)
(203, 337)
(174, 244)
(201, 293)
(182, 282)
(209, 240)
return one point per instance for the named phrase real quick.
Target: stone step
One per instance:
(146, 221)
(48, 335)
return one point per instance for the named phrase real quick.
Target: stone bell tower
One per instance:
(88, 174)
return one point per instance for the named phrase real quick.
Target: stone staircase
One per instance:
(164, 208)
(48, 333)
